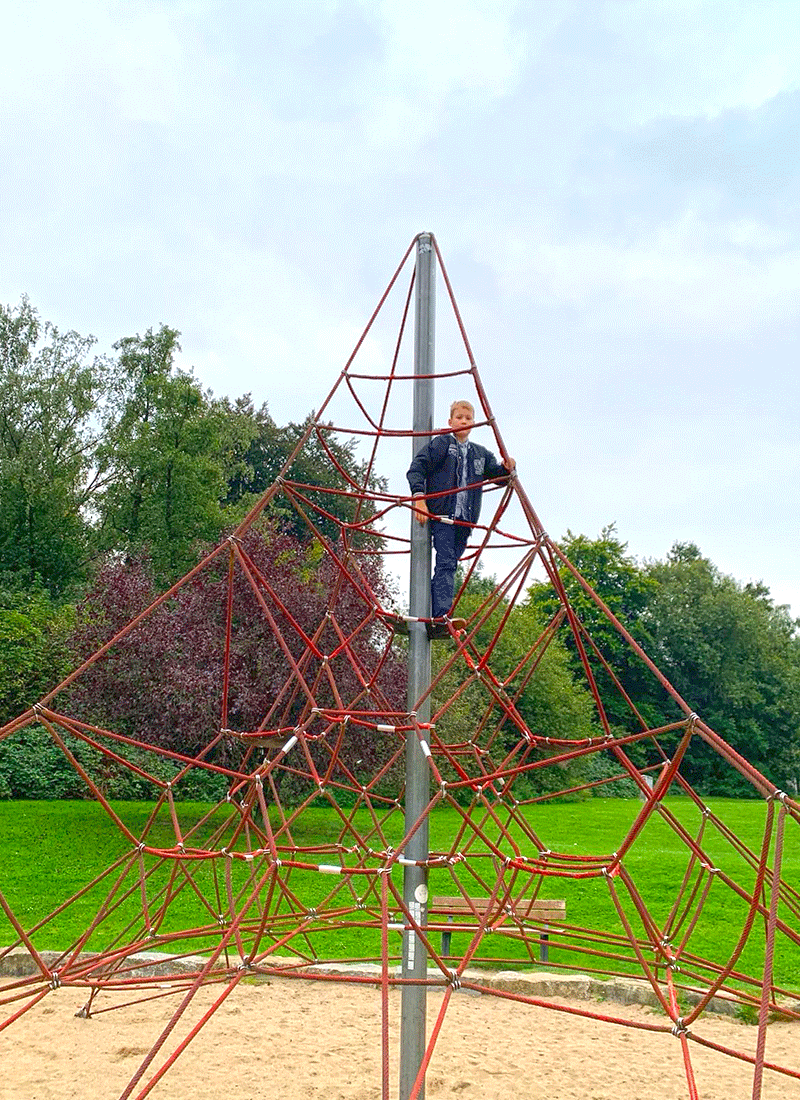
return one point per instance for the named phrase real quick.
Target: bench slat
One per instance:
(541, 908)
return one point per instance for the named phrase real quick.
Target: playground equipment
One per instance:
(250, 888)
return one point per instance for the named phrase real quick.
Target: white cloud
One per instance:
(701, 56)
(125, 59)
(687, 275)
(437, 59)
(434, 50)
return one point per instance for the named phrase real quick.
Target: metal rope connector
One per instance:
(454, 980)
(680, 1028)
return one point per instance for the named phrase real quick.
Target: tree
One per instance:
(256, 450)
(551, 702)
(626, 588)
(34, 656)
(731, 654)
(160, 446)
(50, 394)
(162, 684)
(735, 658)
(34, 649)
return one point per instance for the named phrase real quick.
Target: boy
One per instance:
(451, 466)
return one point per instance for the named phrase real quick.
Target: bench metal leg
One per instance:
(543, 946)
(446, 937)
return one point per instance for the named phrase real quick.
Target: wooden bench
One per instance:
(470, 911)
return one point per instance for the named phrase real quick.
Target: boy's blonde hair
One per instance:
(461, 405)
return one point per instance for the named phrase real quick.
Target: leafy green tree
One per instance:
(161, 448)
(726, 648)
(552, 702)
(50, 393)
(626, 588)
(34, 646)
(735, 658)
(256, 450)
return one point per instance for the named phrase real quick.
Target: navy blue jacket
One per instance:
(435, 470)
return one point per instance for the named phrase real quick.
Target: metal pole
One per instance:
(415, 879)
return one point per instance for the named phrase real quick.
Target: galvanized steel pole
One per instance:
(415, 879)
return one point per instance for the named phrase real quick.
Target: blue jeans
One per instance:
(449, 541)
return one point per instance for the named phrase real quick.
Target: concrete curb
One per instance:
(580, 987)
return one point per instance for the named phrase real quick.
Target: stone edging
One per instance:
(580, 987)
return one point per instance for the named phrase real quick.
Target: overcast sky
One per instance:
(615, 187)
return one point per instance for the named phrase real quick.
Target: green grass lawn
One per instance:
(50, 850)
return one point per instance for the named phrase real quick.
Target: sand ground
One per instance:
(322, 1040)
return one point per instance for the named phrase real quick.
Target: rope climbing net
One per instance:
(305, 690)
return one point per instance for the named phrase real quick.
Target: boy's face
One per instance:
(461, 421)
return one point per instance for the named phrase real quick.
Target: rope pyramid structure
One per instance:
(251, 887)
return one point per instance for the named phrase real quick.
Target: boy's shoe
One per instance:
(445, 627)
